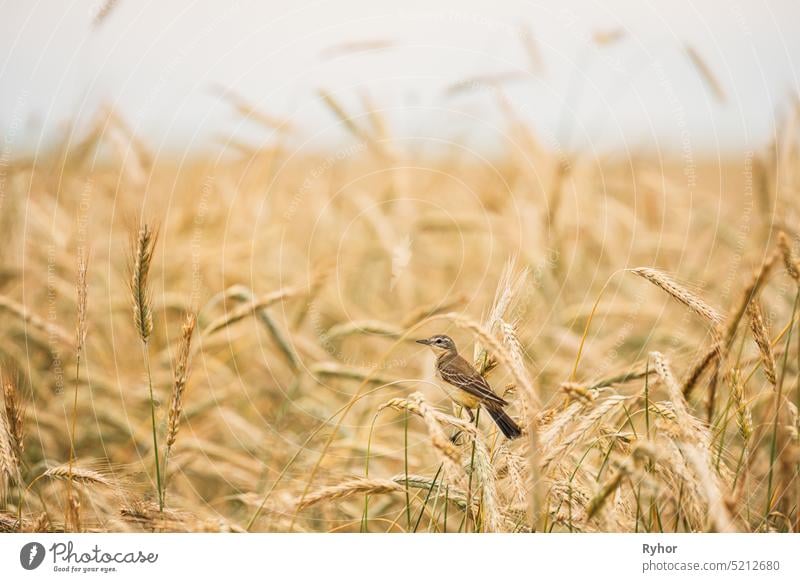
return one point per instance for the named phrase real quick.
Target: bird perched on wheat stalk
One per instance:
(471, 389)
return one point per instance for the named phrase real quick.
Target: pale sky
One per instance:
(156, 63)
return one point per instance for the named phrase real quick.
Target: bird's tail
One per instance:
(507, 426)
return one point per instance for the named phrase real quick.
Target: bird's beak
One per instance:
(424, 342)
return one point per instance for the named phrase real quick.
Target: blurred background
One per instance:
(589, 76)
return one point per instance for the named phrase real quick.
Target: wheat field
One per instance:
(227, 343)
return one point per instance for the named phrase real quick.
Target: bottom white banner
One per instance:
(389, 557)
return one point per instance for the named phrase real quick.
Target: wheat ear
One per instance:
(789, 259)
(179, 386)
(680, 294)
(73, 504)
(143, 321)
(763, 341)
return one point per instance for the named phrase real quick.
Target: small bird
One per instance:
(472, 390)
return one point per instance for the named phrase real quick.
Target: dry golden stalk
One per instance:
(181, 377)
(680, 294)
(512, 342)
(695, 444)
(683, 415)
(9, 523)
(578, 391)
(763, 341)
(744, 418)
(348, 488)
(73, 508)
(247, 309)
(420, 313)
(609, 36)
(335, 370)
(708, 357)
(611, 485)
(103, 12)
(81, 286)
(448, 454)
(244, 294)
(706, 73)
(789, 259)
(509, 287)
(15, 416)
(41, 524)
(73, 503)
(178, 388)
(142, 256)
(749, 293)
(51, 330)
(79, 474)
(363, 326)
(150, 516)
(318, 280)
(402, 404)
(555, 442)
(9, 462)
(718, 513)
(485, 472)
(250, 112)
(561, 173)
(348, 121)
(514, 469)
(788, 454)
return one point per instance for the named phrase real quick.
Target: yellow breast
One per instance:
(458, 395)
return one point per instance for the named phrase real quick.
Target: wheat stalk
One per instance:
(82, 475)
(15, 416)
(612, 484)
(73, 503)
(50, 330)
(695, 444)
(358, 486)
(179, 386)
(103, 12)
(485, 472)
(403, 404)
(744, 417)
(508, 288)
(553, 447)
(247, 309)
(711, 355)
(680, 294)
(706, 73)
(763, 341)
(181, 377)
(142, 256)
(789, 259)
(9, 462)
(749, 293)
(448, 454)
(718, 513)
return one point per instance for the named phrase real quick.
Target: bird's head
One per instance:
(440, 344)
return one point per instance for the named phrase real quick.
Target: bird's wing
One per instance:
(461, 374)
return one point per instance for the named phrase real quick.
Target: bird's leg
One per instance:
(471, 415)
